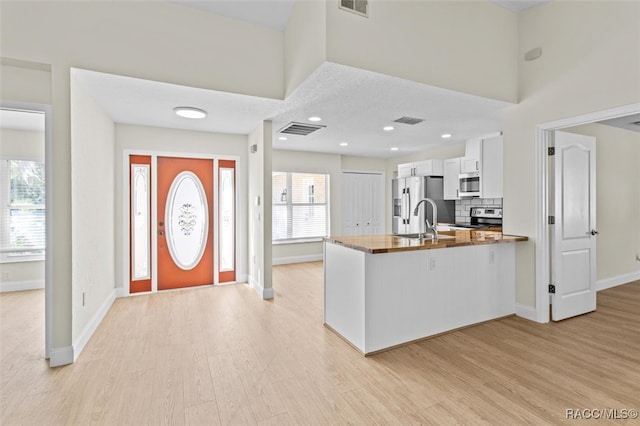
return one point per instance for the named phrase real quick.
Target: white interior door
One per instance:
(573, 242)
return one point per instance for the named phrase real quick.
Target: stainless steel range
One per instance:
(484, 217)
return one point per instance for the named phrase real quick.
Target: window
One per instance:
(300, 206)
(22, 196)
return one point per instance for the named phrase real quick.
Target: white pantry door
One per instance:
(573, 237)
(362, 203)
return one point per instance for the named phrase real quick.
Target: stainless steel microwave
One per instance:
(469, 185)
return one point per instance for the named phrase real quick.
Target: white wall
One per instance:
(92, 210)
(156, 40)
(22, 144)
(305, 42)
(143, 139)
(617, 199)
(590, 62)
(25, 81)
(259, 210)
(466, 46)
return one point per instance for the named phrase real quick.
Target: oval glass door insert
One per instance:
(187, 220)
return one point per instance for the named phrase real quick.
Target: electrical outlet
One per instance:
(432, 264)
(492, 257)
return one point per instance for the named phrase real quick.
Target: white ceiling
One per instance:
(354, 106)
(627, 123)
(518, 6)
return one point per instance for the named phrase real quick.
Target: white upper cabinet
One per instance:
(451, 178)
(472, 156)
(483, 156)
(491, 175)
(421, 168)
(405, 170)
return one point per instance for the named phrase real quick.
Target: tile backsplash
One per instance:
(463, 207)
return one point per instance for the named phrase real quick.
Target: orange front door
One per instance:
(185, 222)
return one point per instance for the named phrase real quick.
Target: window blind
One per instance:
(300, 205)
(22, 195)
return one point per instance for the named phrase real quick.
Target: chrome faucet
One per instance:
(430, 227)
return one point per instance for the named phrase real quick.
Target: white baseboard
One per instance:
(92, 325)
(617, 280)
(296, 259)
(242, 278)
(526, 312)
(21, 285)
(265, 293)
(61, 356)
(120, 292)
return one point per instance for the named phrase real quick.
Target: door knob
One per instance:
(160, 232)
(594, 232)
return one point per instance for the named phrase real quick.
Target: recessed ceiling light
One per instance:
(446, 135)
(315, 118)
(387, 128)
(190, 112)
(282, 138)
(395, 148)
(343, 144)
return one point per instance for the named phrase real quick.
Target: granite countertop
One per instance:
(375, 244)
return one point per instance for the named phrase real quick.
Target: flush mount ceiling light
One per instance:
(314, 118)
(395, 148)
(190, 112)
(446, 135)
(282, 138)
(388, 128)
(343, 144)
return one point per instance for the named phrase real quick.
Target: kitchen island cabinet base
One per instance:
(379, 301)
(422, 339)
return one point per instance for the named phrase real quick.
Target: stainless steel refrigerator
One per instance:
(407, 193)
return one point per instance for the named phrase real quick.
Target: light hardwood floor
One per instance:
(221, 355)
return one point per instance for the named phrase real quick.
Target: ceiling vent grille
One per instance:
(360, 7)
(300, 129)
(408, 120)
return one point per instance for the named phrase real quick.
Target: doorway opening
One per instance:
(544, 140)
(25, 218)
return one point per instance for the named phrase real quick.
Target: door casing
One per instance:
(543, 137)
(48, 251)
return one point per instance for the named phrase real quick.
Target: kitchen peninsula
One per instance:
(382, 290)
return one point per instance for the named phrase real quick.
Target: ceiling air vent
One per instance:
(408, 120)
(301, 129)
(361, 7)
